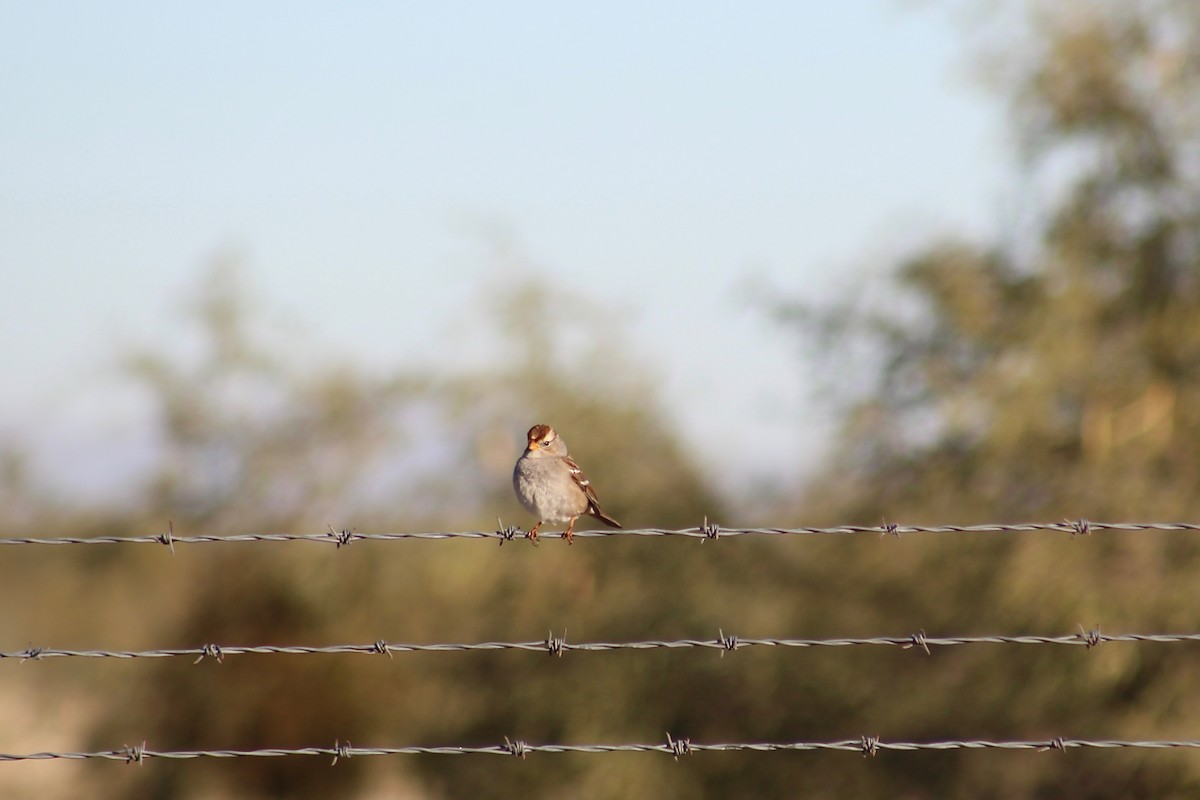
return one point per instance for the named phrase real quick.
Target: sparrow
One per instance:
(551, 486)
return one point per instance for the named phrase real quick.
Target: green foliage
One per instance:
(255, 443)
(1055, 374)
(1060, 372)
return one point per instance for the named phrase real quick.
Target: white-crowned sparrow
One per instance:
(551, 485)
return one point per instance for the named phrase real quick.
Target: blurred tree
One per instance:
(253, 442)
(1072, 351)
(1053, 375)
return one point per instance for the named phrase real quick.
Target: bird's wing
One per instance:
(582, 482)
(585, 485)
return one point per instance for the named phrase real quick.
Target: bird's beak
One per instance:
(533, 446)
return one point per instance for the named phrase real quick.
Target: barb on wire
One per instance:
(864, 745)
(1091, 638)
(703, 532)
(516, 747)
(135, 754)
(212, 651)
(341, 538)
(167, 537)
(679, 747)
(506, 533)
(919, 639)
(558, 645)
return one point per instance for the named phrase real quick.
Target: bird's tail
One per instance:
(605, 518)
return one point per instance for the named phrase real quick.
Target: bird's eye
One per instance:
(546, 443)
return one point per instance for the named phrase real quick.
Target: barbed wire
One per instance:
(557, 645)
(676, 747)
(705, 531)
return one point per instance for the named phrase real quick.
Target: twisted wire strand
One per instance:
(704, 531)
(866, 745)
(558, 645)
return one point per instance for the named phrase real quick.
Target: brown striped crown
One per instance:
(542, 434)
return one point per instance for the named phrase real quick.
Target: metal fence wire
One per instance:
(705, 531)
(866, 746)
(558, 646)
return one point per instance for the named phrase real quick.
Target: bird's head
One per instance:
(544, 442)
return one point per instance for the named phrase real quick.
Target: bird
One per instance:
(551, 486)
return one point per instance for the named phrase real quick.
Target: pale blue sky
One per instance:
(355, 155)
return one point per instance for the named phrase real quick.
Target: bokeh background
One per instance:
(275, 267)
